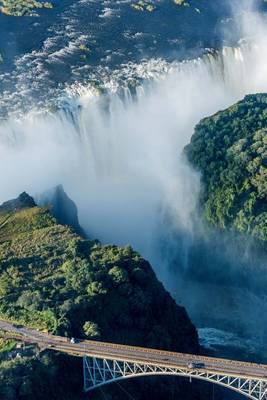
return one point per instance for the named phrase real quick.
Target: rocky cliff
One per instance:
(61, 207)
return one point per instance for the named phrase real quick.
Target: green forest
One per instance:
(229, 149)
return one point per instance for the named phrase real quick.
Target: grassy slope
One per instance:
(53, 279)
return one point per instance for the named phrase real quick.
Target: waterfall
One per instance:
(118, 150)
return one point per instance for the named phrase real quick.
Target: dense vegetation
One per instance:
(144, 5)
(45, 376)
(53, 279)
(18, 8)
(230, 151)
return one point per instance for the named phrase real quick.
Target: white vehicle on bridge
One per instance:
(195, 365)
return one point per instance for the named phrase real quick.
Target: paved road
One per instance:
(134, 354)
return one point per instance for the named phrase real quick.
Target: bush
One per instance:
(91, 330)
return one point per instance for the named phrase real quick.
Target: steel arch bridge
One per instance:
(105, 363)
(101, 371)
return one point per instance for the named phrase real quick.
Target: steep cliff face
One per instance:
(230, 151)
(61, 207)
(53, 279)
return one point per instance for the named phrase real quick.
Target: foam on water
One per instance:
(212, 339)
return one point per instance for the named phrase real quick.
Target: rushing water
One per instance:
(85, 40)
(119, 153)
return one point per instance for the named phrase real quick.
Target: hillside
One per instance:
(230, 151)
(53, 279)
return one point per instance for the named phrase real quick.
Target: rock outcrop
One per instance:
(62, 207)
(22, 201)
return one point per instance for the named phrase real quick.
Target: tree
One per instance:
(119, 275)
(91, 330)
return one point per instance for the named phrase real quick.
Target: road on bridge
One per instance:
(112, 351)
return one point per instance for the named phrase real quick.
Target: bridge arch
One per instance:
(99, 372)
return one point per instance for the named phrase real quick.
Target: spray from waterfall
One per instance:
(119, 154)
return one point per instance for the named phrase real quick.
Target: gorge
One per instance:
(120, 146)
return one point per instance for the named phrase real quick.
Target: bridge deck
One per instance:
(110, 351)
